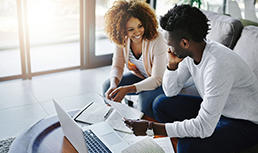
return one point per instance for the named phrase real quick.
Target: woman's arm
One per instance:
(117, 67)
(119, 93)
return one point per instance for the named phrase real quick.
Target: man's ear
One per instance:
(184, 43)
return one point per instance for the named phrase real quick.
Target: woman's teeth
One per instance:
(137, 37)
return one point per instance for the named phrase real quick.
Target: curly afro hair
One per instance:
(185, 21)
(117, 16)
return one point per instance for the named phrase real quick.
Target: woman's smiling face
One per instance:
(134, 29)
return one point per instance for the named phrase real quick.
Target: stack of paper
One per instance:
(98, 112)
(149, 145)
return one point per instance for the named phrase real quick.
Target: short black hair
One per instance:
(185, 21)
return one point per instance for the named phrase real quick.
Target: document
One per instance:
(93, 113)
(165, 144)
(99, 112)
(123, 109)
(130, 138)
(147, 145)
(115, 121)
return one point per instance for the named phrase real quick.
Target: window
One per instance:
(10, 61)
(45, 36)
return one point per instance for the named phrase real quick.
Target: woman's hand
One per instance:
(109, 91)
(113, 85)
(119, 93)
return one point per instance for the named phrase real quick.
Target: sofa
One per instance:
(241, 39)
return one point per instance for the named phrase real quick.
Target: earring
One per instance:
(124, 40)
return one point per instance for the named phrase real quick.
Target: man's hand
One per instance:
(173, 60)
(138, 126)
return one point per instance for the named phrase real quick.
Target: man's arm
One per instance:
(140, 127)
(218, 81)
(175, 75)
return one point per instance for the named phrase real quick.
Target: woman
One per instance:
(132, 26)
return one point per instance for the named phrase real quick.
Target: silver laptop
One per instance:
(83, 139)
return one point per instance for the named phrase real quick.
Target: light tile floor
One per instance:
(24, 102)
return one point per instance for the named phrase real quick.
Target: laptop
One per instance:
(83, 139)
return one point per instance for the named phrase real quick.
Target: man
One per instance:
(225, 116)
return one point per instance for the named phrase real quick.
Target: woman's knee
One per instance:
(146, 98)
(144, 103)
(105, 86)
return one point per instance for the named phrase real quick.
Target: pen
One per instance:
(105, 116)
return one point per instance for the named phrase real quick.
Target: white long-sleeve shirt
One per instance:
(226, 84)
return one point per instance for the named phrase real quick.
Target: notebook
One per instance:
(102, 131)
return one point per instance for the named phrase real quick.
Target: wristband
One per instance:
(150, 125)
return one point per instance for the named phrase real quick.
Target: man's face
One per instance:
(175, 47)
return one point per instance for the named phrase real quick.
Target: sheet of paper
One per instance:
(94, 113)
(99, 112)
(147, 145)
(116, 122)
(124, 110)
(130, 138)
(165, 144)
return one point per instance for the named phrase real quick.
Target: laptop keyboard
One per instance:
(94, 144)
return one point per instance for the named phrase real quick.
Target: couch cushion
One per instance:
(248, 22)
(224, 29)
(247, 47)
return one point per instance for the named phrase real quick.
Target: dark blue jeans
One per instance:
(229, 136)
(145, 98)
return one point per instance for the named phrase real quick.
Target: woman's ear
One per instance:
(184, 43)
